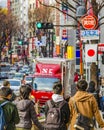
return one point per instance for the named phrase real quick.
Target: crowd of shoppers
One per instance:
(20, 112)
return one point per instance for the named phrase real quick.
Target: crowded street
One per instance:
(52, 64)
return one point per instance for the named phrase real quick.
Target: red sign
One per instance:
(89, 22)
(100, 48)
(64, 34)
(48, 70)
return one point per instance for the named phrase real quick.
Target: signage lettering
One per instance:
(46, 71)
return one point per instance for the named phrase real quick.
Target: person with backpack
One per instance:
(26, 110)
(57, 111)
(8, 111)
(6, 83)
(86, 106)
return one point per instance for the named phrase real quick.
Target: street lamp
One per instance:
(81, 11)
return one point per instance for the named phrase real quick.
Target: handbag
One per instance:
(82, 122)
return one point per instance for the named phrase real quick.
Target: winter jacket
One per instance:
(87, 105)
(27, 114)
(11, 114)
(57, 99)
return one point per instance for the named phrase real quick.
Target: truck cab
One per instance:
(47, 72)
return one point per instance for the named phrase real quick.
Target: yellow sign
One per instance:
(70, 52)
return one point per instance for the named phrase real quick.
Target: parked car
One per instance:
(3, 75)
(18, 76)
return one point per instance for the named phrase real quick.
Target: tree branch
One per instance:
(101, 18)
(59, 10)
(76, 2)
(64, 4)
(100, 7)
(68, 5)
(100, 25)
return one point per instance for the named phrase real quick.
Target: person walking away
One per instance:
(26, 110)
(92, 89)
(101, 94)
(6, 83)
(57, 105)
(86, 105)
(9, 109)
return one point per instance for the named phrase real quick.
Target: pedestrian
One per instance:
(101, 94)
(10, 110)
(6, 83)
(76, 77)
(86, 105)
(26, 110)
(23, 81)
(92, 89)
(57, 102)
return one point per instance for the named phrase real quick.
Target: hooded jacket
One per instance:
(56, 99)
(27, 114)
(87, 105)
(11, 114)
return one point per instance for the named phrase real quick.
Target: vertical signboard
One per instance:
(70, 52)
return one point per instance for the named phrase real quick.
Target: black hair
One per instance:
(91, 87)
(57, 88)
(25, 90)
(5, 91)
(29, 85)
(82, 85)
(6, 83)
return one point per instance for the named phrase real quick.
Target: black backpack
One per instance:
(54, 116)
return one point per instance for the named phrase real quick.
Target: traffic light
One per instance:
(10, 51)
(103, 58)
(20, 42)
(41, 25)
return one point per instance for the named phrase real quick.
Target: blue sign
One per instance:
(65, 38)
(77, 53)
(89, 34)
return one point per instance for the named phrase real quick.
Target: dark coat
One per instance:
(95, 92)
(11, 114)
(65, 113)
(27, 114)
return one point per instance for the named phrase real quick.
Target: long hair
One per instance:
(25, 91)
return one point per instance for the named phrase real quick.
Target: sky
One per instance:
(3, 3)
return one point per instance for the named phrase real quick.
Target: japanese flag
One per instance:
(90, 52)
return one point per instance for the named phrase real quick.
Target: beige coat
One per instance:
(87, 105)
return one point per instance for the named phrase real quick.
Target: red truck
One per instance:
(47, 72)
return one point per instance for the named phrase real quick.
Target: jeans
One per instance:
(102, 103)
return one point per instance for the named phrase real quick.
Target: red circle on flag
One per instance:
(91, 52)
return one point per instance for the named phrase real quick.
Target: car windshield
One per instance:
(45, 84)
(14, 83)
